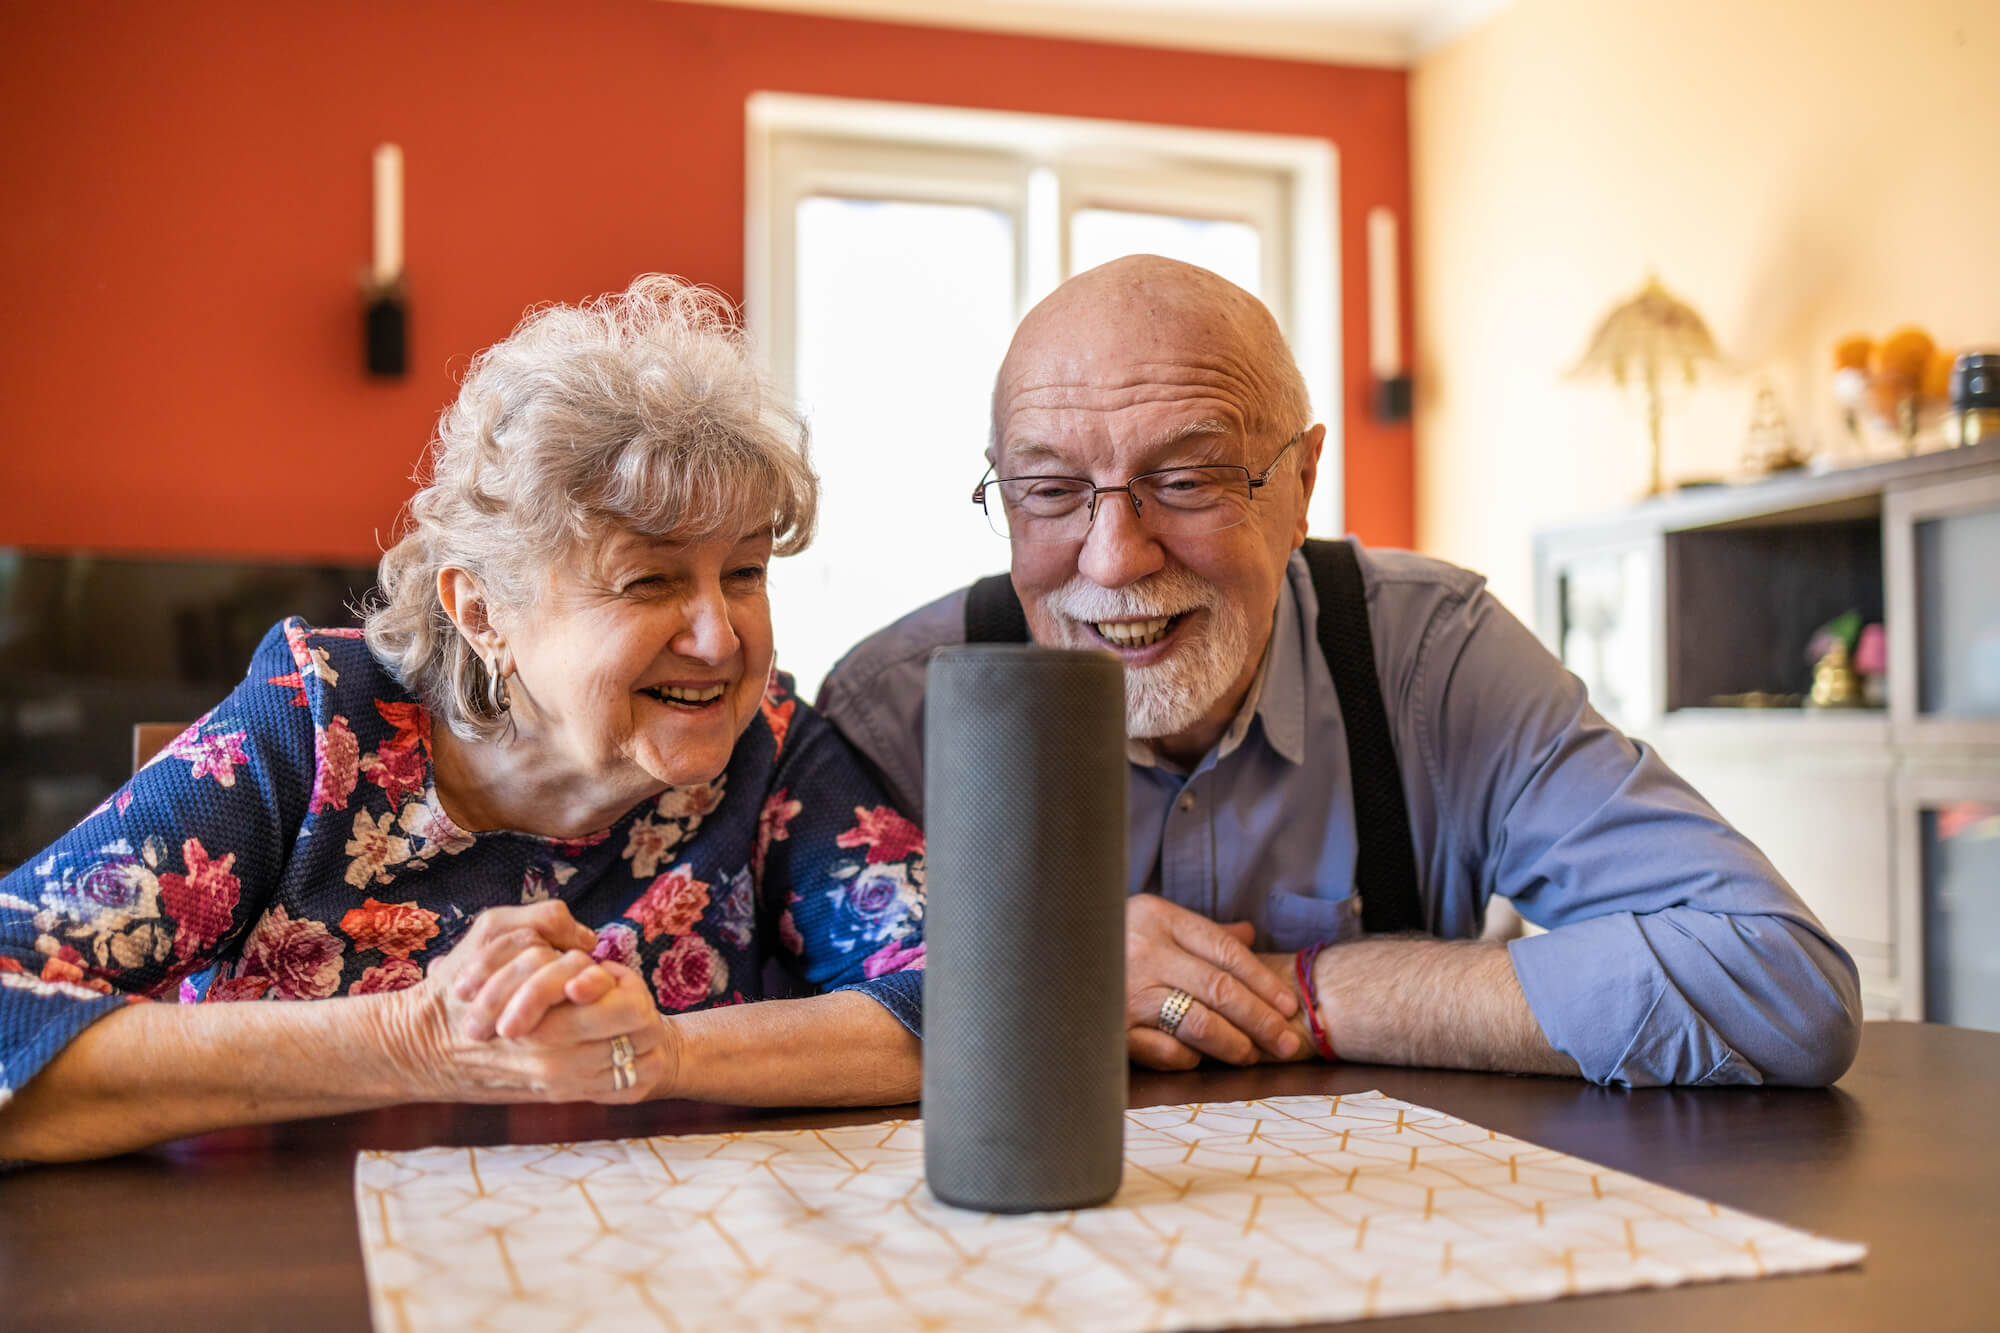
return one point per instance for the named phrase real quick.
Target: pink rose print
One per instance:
(788, 935)
(399, 773)
(124, 800)
(202, 901)
(334, 754)
(671, 904)
(213, 756)
(772, 824)
(301, 958)
(395, 974)
(397, 929)
(778, 716)
(893, 957)
(888, 836)
(238, 988)
(412, 724)
(689, 973)
(617, 944)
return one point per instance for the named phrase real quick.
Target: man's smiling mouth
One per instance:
(1135, 633)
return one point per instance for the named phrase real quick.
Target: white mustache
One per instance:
(1167, 593)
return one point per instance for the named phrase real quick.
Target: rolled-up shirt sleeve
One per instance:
(1674, 952)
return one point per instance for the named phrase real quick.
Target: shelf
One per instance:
(1844, 493)
(1769, 732)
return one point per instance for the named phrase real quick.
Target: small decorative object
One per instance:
(1896, 387)
(1834, 683)
(1768, 445)
(1657, 340)
(385, 333)
(1974, 386)
(1871, 663)
(1831, 651)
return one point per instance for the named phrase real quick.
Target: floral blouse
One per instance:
(290, 846)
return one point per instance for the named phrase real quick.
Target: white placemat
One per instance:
(1290, 1209)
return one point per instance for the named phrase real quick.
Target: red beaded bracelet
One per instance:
(1303, 966)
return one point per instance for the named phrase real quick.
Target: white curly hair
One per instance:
(639, 410)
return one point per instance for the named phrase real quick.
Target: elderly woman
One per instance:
(534, 834)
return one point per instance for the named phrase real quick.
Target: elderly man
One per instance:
(1300, 726)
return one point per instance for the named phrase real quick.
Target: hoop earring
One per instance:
(496, 687)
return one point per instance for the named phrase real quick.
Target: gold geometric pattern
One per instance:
(1284, 1210)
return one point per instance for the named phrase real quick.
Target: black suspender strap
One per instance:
(993, 613)
(1385, 864)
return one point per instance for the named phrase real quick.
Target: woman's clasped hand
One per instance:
(521, 1010)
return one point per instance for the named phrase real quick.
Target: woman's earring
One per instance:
(496, 687)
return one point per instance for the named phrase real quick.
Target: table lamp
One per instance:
(1651, 336)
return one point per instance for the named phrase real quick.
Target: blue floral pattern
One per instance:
(291, 845)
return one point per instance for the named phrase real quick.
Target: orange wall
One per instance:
(187, 209)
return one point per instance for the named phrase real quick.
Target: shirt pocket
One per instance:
(1294, 920)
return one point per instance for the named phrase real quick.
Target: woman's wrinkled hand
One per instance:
(519, 1011)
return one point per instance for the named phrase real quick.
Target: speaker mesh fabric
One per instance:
(1024, 980)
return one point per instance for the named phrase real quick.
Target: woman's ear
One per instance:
(464, 600)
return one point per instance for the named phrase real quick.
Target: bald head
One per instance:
(1134, 320)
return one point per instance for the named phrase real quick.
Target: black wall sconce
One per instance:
(385, 321)
(1388, 382)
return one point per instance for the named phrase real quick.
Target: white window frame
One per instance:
(1042, 169)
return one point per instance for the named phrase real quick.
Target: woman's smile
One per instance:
(687, 698)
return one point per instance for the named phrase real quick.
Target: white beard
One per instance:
(1176, 692)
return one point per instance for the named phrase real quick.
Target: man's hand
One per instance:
(1241, 1010)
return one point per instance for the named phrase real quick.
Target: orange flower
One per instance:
(397, 929)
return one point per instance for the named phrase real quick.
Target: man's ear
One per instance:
(464, 600)
(1309, 447)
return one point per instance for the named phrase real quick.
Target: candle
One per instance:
(388, 214)
(1385, 324)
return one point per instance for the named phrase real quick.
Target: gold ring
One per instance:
(1173, 1009)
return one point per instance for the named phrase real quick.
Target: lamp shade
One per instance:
(1653, 335)
(1653, 327)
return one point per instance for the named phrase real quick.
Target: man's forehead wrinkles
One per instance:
(1103, 378)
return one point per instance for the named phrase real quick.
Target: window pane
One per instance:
(904, 311)
(1099, 235)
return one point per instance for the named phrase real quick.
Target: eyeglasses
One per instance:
(1173, 502)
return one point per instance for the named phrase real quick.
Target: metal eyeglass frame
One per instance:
(1253, 481)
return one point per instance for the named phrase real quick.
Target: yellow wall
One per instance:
(1795, 169)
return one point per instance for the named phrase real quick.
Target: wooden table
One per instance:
(256, 1229)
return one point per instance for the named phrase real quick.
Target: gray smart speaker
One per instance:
(1024, 929)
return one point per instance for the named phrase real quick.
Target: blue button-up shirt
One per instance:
(1673, 952)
